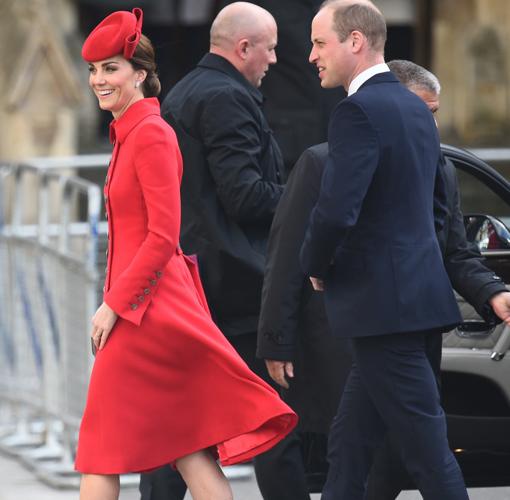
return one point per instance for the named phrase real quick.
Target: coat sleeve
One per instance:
(352, 161)
(284, 280)
(158, 167)
(441, 201)
(463, 261)
(232, 139)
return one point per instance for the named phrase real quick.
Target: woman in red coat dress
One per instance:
(166, 386)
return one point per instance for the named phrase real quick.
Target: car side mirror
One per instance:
(487, 232)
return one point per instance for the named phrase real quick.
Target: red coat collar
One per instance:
(120, 128)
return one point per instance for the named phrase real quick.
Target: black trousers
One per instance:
(164, 483)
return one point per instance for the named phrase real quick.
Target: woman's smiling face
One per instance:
(116, 84)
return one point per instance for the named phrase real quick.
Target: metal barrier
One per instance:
(49, 291)
(51, 276)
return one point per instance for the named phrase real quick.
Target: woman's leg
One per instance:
(99, 487)
(204, 477)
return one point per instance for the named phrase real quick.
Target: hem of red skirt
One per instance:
(231, 451)
(248, 445)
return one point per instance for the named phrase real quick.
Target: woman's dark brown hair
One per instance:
(144, 58)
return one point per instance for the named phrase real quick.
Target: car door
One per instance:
(476, 361)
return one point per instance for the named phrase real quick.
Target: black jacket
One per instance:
(464, 264)
(297, 107)
(293, 324)
(230, 188)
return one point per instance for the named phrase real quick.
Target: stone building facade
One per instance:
(471, 56)
(466, 44)
(46, 108)
(40, 87)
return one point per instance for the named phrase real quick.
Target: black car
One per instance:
(476, 364)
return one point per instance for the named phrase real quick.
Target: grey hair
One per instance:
(413, 75)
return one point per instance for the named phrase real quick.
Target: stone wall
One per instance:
(471, 57)
(40, 90)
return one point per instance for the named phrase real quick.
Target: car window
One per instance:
(477, 198)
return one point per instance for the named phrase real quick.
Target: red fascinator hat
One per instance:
(119, 33)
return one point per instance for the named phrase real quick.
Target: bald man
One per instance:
(231, 183)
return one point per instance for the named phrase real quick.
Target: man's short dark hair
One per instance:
(363, 17)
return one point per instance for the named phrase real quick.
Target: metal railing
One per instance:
(49, 291)
(51, 277)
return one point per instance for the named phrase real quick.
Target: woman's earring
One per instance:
(137, 84)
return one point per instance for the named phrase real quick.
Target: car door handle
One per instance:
(502, 345)
(473, 329)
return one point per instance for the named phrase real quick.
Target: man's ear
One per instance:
(357, 41)
(242, 48)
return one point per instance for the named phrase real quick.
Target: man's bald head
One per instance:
(237, 21)
(246, 35)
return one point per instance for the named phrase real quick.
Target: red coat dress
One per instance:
(167, 382)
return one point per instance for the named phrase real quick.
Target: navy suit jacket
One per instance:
(371, 235)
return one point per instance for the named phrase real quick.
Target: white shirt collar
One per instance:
(366, 75)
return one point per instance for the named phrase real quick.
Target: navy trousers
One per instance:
(392, 389)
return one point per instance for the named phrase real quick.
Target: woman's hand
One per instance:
(102, 324)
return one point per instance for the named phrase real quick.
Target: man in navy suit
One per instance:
(294, 337)
(371, 246)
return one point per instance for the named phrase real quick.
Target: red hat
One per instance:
(119, 33)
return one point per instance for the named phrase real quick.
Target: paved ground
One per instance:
(17, 483)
